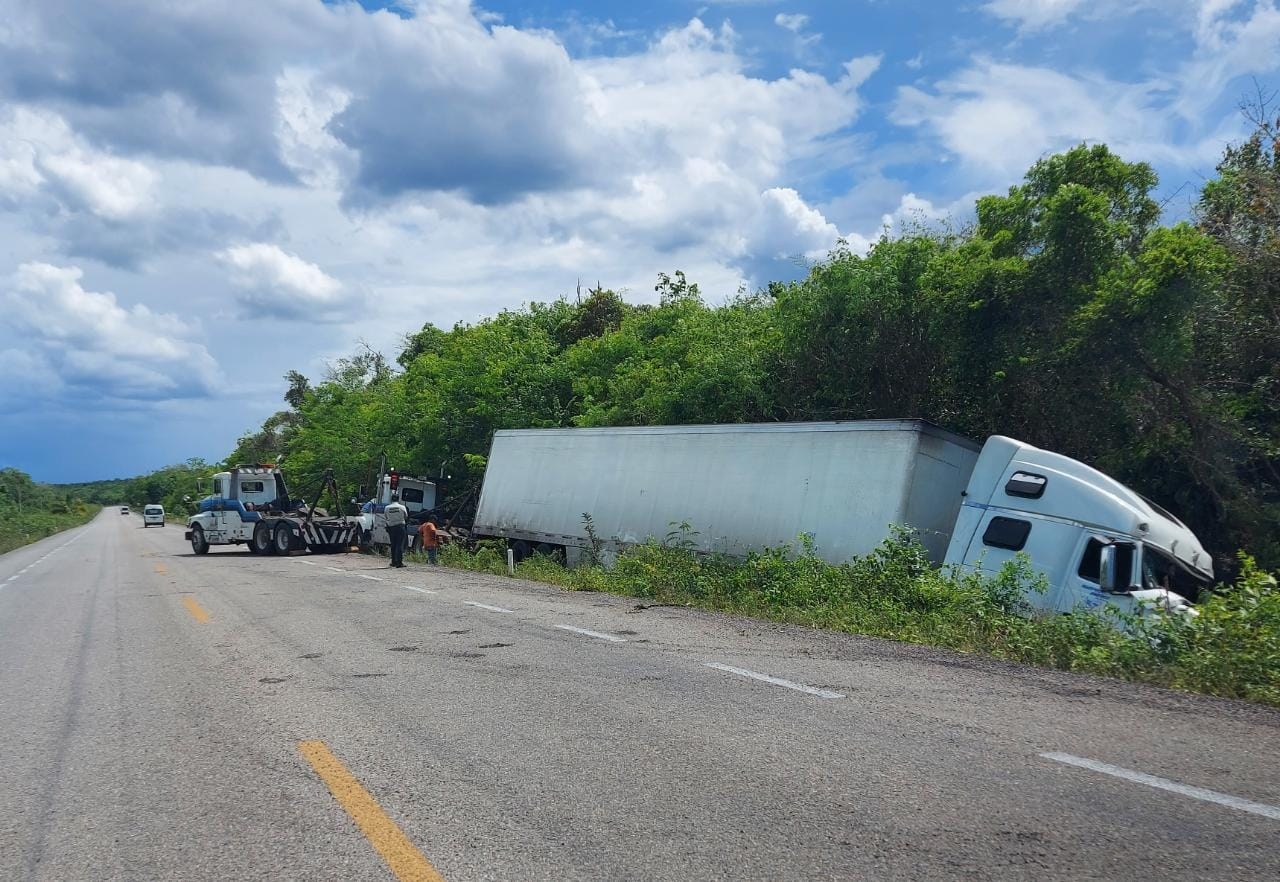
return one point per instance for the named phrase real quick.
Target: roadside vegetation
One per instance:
(30, 511)
(1231, 649)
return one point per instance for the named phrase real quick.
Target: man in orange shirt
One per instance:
(430, 539)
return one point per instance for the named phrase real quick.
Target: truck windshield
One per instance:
(1161, 570)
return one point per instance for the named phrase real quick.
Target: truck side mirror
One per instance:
(1108, 576)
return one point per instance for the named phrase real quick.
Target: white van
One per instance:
(153, 514)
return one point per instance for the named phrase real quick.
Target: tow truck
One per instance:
(250, 505)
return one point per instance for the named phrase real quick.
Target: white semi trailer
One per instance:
(749, 487)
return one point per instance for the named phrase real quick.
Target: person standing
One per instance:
(430, 538)
(397, 516)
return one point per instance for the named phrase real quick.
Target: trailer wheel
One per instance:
(521, 549)
(555, 552)
(199, 544)
(283, 538)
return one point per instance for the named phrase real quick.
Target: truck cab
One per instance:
(1063, 514)
(417, 494)
(240, 498)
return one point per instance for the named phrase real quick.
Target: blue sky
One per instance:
(196, 198)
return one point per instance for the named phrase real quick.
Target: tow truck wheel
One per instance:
(198, 543)
(261, 541)
(283, 539)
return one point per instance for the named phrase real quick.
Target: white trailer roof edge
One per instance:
(923, 427)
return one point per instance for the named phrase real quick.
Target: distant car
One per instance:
(153, 514)
(124, 509)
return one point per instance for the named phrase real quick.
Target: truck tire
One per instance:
(282, 539)
(555, 552)
(521, 549)
(199, 544)
(261, 541)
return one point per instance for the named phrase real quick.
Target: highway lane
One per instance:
(159, 714)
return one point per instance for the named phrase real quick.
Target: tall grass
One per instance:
(1232, 648)
(18, 528)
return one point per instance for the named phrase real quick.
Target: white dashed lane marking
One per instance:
(596, 634)
(776, 681)
(490, 607)
(370, 578)
(1235, 802)
(419, 590)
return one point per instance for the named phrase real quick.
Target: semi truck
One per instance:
(741, 488)
(418, 495)
(250, 505)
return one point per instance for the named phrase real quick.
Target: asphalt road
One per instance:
(230, 717)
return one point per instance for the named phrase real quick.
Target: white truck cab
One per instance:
(417, 494)
(230, 514)
(1096, 541)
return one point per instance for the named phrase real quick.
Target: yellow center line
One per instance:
(401, 855)
(196, 610)
(161, 569)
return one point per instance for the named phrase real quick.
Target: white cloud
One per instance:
(787, 227)
(1032, 15)
(996, 119)
(1228, 46)
(39, 151)
(96, 350)
(794, 23)
(306, 106)
(274, 282)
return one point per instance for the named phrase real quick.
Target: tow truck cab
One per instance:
(240, 496)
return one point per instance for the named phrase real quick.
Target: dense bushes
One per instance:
(1232, 648)
(31, 511)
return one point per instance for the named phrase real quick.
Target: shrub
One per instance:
(1232, 648)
